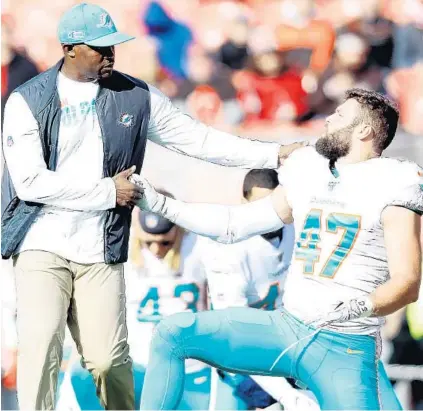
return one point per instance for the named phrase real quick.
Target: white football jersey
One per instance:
(339, 252)
(249, 273)
(156, 291)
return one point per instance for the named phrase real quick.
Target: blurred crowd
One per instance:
(245, 65)
(252, 67)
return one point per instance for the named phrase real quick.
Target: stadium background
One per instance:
(265, 69)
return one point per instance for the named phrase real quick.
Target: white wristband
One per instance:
(364, 306)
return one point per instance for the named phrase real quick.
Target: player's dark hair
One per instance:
(259, 178)
(381, 113)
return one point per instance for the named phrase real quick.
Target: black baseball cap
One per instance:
(153, 223)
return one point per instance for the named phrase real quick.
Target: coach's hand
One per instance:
(127, 193)
(286, 151)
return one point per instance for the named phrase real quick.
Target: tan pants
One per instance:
(51, 292)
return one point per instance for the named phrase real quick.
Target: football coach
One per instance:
(72, 137)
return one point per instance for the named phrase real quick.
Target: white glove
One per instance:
(300, 400)
(344, 311)
(151, 199)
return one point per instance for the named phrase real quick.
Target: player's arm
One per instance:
(179, 132)
(225, 224)
(32, 180)
(402, 240)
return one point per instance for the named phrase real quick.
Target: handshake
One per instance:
(132, 189)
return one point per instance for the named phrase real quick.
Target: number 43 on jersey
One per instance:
(309, 243)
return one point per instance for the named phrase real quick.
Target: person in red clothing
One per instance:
(205, 104)
(271, 90)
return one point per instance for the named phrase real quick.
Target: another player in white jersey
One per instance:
(255, 268)
(164, 275)
(252, 273)
(357, 259)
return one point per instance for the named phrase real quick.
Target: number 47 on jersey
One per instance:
(309, 243)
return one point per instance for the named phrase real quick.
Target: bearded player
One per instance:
(357, 259)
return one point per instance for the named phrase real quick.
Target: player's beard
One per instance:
(335, 145)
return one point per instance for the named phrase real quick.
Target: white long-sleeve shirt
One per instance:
(75, 194)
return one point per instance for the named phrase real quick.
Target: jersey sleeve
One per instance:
(409, 191)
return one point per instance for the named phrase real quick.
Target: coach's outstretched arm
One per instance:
(172, 129)
(225, 224)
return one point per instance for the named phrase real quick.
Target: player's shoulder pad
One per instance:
(307, 152)
(400, 171)
(404, 180)
(300, 160)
